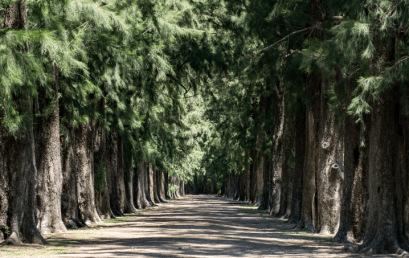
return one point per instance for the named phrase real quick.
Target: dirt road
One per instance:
(195, 226)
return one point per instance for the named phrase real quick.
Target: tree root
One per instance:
(383, 244)
(345, 237)
(305, 226)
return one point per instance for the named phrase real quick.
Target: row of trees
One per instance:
(297, 106)
(95, 115)
(310, 115)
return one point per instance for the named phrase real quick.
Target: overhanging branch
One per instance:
(292, 33)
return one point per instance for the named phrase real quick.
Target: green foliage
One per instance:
(190, 86)
(172, 189)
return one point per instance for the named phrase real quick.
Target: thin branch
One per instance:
(83, 24)
(81, 75)
(180, 66)
(214, 23)
(292, 33)
(394, 8)
(171, 76)
(400, 61)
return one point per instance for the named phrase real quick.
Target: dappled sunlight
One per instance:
(198, 226)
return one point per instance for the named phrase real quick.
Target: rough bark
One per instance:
(309, 215)
(121, 176)
(296, 202)
(177, 183)
(112, 173)
(101, 185)
(248, 185)
(18, 175)
(308, 210)
(155, 186)
(276, 177)
(167, 185)
(385, 228)
(242, 188)
(18, 171)
(329, 175)
(69, 201)
(403, 179)
(48, 159)
(85, 174)
(182, 188)
(162, 190)
(252, 197)
(129, 186)
(149, 184)
(136, 188)
(287, 172)
(350, 229)
(267, 166)
(141, 202)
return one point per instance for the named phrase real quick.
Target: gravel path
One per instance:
(196, 226)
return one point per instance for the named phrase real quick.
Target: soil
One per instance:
(193, 226)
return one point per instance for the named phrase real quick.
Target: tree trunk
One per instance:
(85, 174)
(182, 188)
(266, 178)
(308, 219)
(205, 191)
(275, 183)
(329, 177)
(296, 202)
(195, 189)
(129, 186)
(141, 186)
(155, 186)
(287, 175)
(149, 182)
(18, 171)
(121, 176)
(162, 191)
(18, 175)
(167, 185)
(385, 231)
(228, 185)
(69, 200)
(112, 173)
(213, 186)
(177, 183)
(242, 189)
(100, 168)
(248, 186)
(351, 218)
(48, 159)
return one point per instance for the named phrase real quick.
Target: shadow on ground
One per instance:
(198, 226)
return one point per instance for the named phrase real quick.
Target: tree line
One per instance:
(299, 107)
(310, 115)
(93, 114)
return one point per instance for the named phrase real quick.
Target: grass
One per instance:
(33, 250)
(112, 221)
